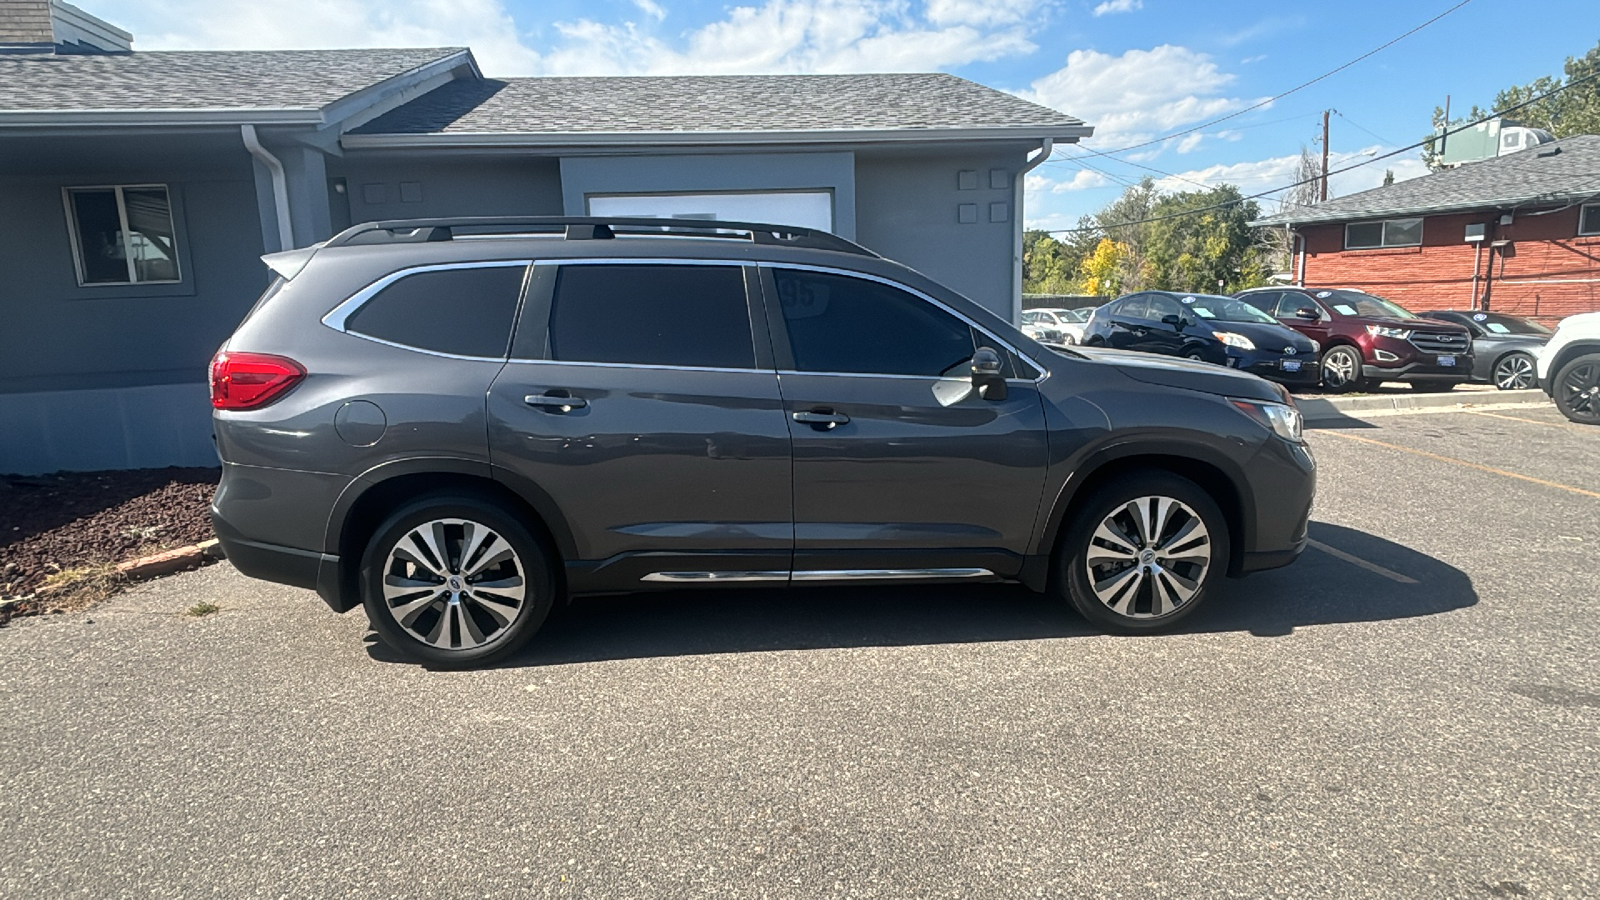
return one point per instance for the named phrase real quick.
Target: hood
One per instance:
(1170, 371)
(1589, 320)
(1264, 336)
(1434, 325)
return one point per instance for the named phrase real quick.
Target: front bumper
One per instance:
(1283, 483)
(1271, 365)
(1426, 369)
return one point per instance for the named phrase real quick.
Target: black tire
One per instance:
(469, 628)
(1141, 611)
(1344, 375)
(1516, 371)
(1096, 341)
(1195, 353)
(1434, 387)
(1576, 389)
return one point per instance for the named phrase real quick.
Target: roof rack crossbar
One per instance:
(589, 228)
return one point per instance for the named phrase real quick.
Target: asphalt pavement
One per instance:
(1412, 710)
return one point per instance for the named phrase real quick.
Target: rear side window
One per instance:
(1289, 307)
(837, 323)
(1135, 307)
(1266, 301)
(460, 311)
(1161, 307)
(659, 315)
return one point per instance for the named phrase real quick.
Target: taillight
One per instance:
(251, 380)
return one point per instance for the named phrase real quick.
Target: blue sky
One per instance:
(1136, 69)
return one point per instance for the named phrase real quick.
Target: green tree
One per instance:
(1201, 242)
(1049, 266)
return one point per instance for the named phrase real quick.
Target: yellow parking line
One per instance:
(1461, 462)
(1336, 553)
(1529, 421)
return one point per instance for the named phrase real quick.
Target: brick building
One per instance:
(1518, 234)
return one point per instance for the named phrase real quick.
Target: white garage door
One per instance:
(804, 209)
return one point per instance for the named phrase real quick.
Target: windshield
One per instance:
(1357, 303)
(1495, 323)
(1076, 315)
(1226, 309)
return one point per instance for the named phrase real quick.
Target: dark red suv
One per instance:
(1366, 339)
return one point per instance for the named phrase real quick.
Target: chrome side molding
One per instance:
(817, 575)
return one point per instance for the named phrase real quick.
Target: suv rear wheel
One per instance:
(1577, 389)
(1341, 369)
(455, 581)
(1143, 553)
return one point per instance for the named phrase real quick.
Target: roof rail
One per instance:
(588, 228)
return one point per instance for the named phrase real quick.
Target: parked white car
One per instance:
(1569, 368)
(1066, 322)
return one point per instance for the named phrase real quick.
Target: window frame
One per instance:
(784, 353)
(118, 190)
(1383, 233)
(1583, 211)
(337, 318)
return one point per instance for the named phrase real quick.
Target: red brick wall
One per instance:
(1547, 272)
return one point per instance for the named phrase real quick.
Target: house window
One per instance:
(1393, 233)
(1589, 220)
(123, 234)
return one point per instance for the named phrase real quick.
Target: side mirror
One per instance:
(1306, 312)
(986, 377)
(1174, 321)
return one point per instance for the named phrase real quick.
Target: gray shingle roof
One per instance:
(715, 103)
(199, 80)
(1560, 172)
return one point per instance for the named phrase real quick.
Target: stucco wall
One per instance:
(464, 185)
(1549, 271)
(908, 208)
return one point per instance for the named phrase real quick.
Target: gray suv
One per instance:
(455, 423)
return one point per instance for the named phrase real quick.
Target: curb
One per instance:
(1323, 409)
(169, 561)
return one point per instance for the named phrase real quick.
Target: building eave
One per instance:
(581, 139)
(1430, 210)
(116, 118)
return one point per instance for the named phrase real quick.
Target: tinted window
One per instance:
(1161, 307)
(466, 312)
(1266, 301)
(1292, 303)
(652, 315)
(841, 324)
(1135, 307)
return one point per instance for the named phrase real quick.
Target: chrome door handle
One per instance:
(555, 402)
(822, 419)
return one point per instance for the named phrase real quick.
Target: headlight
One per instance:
(1381, 331)
(1283, 419)
(1236, 340)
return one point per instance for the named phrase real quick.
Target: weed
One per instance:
(203, 608)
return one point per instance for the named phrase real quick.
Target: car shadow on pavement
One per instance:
(1318, 589)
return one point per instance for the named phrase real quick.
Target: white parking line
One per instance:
(1336, 553)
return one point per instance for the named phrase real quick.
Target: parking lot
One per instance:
(1411, 710)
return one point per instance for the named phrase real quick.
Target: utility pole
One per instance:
(1323, 191)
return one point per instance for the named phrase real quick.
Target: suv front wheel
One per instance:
(454, 581)
(1341, 369)
(1577, 389)
(1143, 553)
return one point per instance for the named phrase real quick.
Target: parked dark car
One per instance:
(457, 433)
(1505, 349)
(1367, 339)
(1207, 328)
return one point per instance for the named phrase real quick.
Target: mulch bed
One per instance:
(75, 520)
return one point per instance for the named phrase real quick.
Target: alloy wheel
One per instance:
(454, 584)
(1580, 390)
(1339, 368)
(1149, 557)
(1514, 373)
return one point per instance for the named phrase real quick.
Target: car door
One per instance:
(1128, 326)
(1287, 312)
(1161, 335)
(661, 440)
(901, 468)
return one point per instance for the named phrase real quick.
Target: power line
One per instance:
(1446, 133)
(1277, 97)
(1359, 126)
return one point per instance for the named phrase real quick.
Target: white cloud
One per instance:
(1255, 176)
(1118, 6)
(1138, 95)
(651, 8)
(769, 37)
(1081, 180)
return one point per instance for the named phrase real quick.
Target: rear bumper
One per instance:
(282, 565)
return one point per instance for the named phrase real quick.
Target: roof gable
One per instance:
(138, 86)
